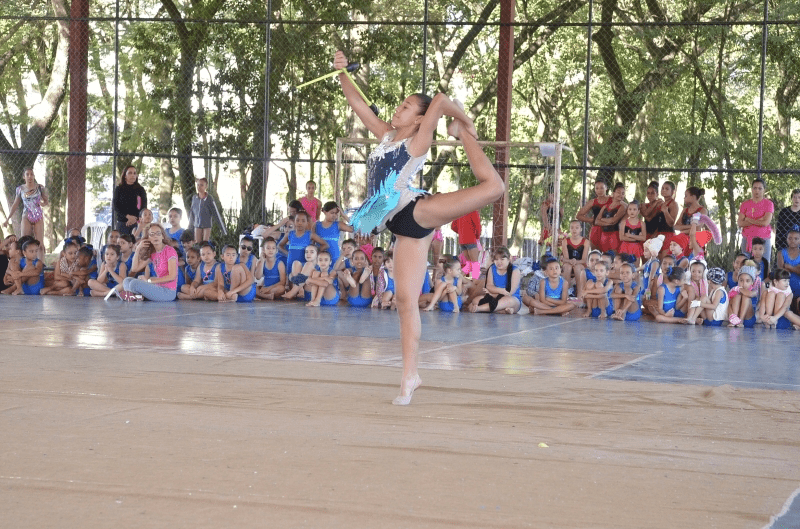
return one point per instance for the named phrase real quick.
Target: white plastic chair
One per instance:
(95, 233)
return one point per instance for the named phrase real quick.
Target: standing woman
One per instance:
(129, 199)
(787, 218)
(601, 199)
(683, 224)
(33, 196)
(755, 216)
(163, 286)
(652, 209)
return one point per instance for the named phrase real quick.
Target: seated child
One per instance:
(502, 290)
(744, 297)
(87, 269)
(789, 259)
(29, 274)
(272, 270)
(697, 286)
(587, 274)
(552, 297)
(145, 219)
(712, 309)
(384, 289)
(324, 286)
(732, 279)
(206, 276)
(357, 284)
(113, 238)
(762, 263)
(448, 289)
(597, 294)
(776, 301)
(300, 274)
(112, 272)
(651, 268)
(64, 273)
(126, 243)
(668, 310)
(247, 254)
(234, 282)
(627, 295)
(187, 241)
(175, 231)
(13, 254)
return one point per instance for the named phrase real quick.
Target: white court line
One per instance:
(626, 364)
(785, 510)
(462, 344)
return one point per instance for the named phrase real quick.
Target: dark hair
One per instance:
(329, 206)
(296, 205)
(549, 260)
(194, 250)
(187, 235)
(629, 265)
(378, 249)
(635, 202)
(270, 239)
(178, 210)
(602, 263)
(122, 175)
(71, 242)
(208, 244)
(86, 251)
(424, 102)
(450, 263)
(653, 185)
(696, 192)
(740, 254)
(503, 251)
(668, 256)
(326, 252)
(115, 248)
(143, 210)
(619, 185)
(128, 237)
(676, 274)
(758, 240)
(202, 179)
(388, 256)
(311, 182)
(795, 192)
(671, 185)
(29, 242)
(229, 247)
(780, 273)
(601, 181)
(302, 212)
(350, 241)
(761, 181)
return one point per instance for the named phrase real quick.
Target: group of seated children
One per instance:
(673, 288)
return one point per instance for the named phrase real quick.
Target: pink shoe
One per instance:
(127, 295)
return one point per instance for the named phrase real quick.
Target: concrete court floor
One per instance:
(477, 350)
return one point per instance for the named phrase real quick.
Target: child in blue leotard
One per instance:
(552, 297)
(627, 295)
(206, 278)
(112, 272)
(296, 242)
(329, 228)
(29, 279)
(272, 270)
(234, 282)
(126, 243)
(358, 285)
(789, 259)
(385, 288)
(302, 273)
(668, 293)
(323, 283)
(744, 298)
(448, 288)
(502, 291)
(598, 293)
(776, 301)
(247, 253)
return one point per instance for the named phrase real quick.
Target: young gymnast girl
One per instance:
(329, 228)
(234, 280)
(627, 295)
(323, 283)
(408, 212)
(112, 273)
(358, 287)
(29, 278)
(206, 277)
(597, 294)
(385, 289)
(448, 288)
(297, 241)
(712, 310)
(64, 280)
(789, 259)
(776, 302)
(32, 196)
(667, 310)
(594, 206)
(744, 297)
(272, 270)
(632, 233)
(502, 291)
(300, 275)
(552, 298)
(574, 253)
(610, 216)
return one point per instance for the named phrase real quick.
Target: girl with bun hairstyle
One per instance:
(683, 224)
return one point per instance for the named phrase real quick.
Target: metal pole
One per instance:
(425, 49)
(114, 147)
(586, 103)
(764, 33)
(267, 75)
(555, 224)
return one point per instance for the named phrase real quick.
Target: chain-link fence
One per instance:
(701, 93)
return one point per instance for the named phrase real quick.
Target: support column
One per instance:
(78, 82)
(505, 70)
